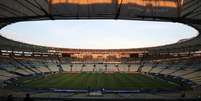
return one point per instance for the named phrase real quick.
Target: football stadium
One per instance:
(30, 71)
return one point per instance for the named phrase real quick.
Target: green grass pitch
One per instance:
(95, 80)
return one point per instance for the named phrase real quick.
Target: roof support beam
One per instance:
(190, 4)
(23, 5)
(38, 6)
(179, 7)
(192, 11)
(49, 3)
(118, 11)
(198, 13)
(10, 9)
(42, 9)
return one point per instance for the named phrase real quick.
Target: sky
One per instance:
(98, 34)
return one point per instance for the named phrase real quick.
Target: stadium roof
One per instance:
(184, 11)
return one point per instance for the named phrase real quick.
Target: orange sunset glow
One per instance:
(154, 3)
(82, 2)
